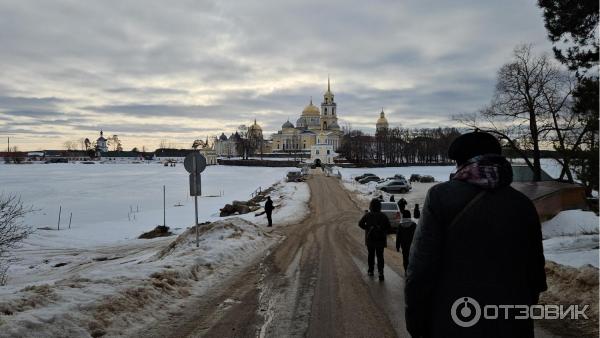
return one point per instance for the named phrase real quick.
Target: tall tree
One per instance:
(572, 26)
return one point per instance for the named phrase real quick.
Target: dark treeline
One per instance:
(396, 146)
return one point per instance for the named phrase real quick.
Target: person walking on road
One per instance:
(478, 243)
(404, 236)
(416, 212)
(376, 226)
(269, 210)
(402, 203)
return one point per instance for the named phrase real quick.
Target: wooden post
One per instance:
(70, 218)
(59, 212)
(164, 206)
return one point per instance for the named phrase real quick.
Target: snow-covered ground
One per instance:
(97, 278)
(112, 202)
(570, 238)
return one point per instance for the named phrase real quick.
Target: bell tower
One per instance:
(328, 108)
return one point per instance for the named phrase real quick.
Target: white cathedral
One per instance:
(313, 127)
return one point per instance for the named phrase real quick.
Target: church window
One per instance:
(317, 151)
(304, 146)
(327, 151)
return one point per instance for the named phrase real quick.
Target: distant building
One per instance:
(382, 122)
(322, 152)
(303, 136)
(226, 146)
(102, 143)
(121, 156)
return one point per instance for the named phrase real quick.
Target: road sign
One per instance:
(194, 158)
(195, 185)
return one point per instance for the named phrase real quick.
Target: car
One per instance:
(395, 185)
(360, 177)
(294, 176)
(392, 211)
(427, 179)
(415, 178)
(369, 179)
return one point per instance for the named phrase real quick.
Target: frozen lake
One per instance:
(127, 197)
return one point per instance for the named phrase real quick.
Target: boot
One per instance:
(381, 278)
(370, 273)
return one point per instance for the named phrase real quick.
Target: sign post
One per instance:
(195, 163)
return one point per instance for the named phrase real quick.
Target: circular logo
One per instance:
(465, 312)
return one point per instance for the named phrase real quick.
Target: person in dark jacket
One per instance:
(479, 238)
(269, 210)
(404, 236)
(376, 226)
(416, 212)
(392, 199)
(402, 203)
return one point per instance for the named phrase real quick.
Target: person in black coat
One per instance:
(416, 212)
(477, 238)
(376, 226)
(404, 236)
(269, 210)
(402, 203)
(392, 199)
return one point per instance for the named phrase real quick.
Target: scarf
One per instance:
(488, 171)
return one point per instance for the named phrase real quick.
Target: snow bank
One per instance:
(571, 238)
(570, 223)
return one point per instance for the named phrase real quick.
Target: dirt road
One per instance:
(313, 283)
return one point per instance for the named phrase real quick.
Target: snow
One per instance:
(571, 223)
(97, 277)
(112, 202)
(571, 238)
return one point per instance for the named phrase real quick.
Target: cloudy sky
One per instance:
(179, 70)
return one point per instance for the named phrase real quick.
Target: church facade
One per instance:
(314, 126)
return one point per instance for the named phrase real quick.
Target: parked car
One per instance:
(395, 185)
(294, 176)
(415, 178)
(392, 211)
(369, 179)
(427, 179)
(360, 177)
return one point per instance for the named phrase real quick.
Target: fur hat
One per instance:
(469, 145)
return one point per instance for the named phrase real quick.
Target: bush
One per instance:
(12, 229)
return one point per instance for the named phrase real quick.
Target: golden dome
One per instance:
(382, 121)
(311, 110)
(255, 126)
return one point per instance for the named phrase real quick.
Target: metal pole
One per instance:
(59, 212)
(70, 218)
(195, 170)
(164, 206)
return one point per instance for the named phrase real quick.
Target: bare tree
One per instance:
(531, 95)
(115, 142)
(70, 145)
(12, 229)
(197, 143)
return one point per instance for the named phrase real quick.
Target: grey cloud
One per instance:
(141, 60)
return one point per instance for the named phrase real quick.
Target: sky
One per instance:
(174, 71)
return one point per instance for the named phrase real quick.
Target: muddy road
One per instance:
(313, 283)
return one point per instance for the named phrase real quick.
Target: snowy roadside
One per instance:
(118, 288)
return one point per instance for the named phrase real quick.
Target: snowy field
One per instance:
(570, 238)
(96, 278)
(113, 202)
